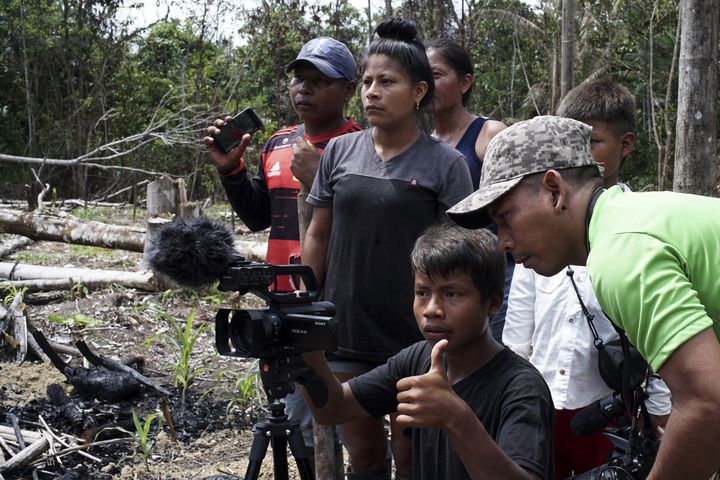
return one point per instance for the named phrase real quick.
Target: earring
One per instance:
(417, 105)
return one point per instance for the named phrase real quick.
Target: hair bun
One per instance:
(397, 29)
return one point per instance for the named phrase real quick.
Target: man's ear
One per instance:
(350, 88)
(554, 184)
(495, 304)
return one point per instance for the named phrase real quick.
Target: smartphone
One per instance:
(232, 132)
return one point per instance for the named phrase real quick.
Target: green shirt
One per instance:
(654, 263)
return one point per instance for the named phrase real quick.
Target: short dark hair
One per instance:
(397, 38)
(446, 248)
(601, 99)
(457, 57)
(575, 176)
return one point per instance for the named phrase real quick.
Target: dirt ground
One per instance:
(213, 429)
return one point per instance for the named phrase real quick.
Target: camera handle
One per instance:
(278, 431)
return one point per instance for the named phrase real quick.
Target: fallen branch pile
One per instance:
(28, 448)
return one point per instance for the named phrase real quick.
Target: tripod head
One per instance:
(280, 373)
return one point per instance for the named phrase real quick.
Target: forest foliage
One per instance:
(77, 75)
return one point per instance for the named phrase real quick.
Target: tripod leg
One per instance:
(257, 453)
(298, 450)
(280, 463)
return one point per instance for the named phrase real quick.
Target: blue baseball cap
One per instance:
(331, 57)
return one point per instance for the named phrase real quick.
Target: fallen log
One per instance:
(15, 242)
(60, 227)
(48, 278)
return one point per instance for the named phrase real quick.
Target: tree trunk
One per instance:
(696, 168)
(53, 227)
(40, 277)
(568, 41)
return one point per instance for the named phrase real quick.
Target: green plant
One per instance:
(75, 320)
(101, 214)
(166, 296)
(247, 390)
(79, 290)
(183, 340)
(12, 293)
(141, 435)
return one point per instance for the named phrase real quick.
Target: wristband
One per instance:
(232, 169)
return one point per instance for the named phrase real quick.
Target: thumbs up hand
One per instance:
(427, 400)
(305, 160)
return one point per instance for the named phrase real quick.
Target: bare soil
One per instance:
(212, 429)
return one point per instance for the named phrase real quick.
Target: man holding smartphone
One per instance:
(323, 82)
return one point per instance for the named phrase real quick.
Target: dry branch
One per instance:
(26, 456)
(8, 434)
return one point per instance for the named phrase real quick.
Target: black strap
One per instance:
(634, 396)
(597, 341)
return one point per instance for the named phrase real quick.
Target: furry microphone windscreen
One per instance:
(192, 253)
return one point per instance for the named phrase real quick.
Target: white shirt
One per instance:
(545, 324)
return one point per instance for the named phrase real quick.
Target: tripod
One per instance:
(278, 375)
(278, 431)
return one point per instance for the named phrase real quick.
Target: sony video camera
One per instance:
(294, 322)
(631, 459)
(201, 252)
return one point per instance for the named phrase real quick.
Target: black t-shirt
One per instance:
(508, 395)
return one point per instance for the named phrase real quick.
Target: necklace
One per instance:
(451, 138)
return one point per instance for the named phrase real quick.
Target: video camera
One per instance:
(631, 459)
(294, 322)
(634, 453)
(201, 252)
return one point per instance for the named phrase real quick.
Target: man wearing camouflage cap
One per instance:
(652, 259)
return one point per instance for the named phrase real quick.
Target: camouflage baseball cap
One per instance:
(537, 145)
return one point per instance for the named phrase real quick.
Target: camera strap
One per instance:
(597, 341)
(633, 394)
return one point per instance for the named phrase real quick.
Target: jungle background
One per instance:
(95, 105)
(98, 103)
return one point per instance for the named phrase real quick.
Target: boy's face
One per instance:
(609, 148)
(317, 98)
(452, 308)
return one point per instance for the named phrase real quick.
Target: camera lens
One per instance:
(251, 331)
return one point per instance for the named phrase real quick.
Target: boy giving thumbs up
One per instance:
(473, 408)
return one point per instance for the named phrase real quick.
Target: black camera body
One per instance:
(631, 459)
(294, 322)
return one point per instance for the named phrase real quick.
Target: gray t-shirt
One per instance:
(379, 210)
